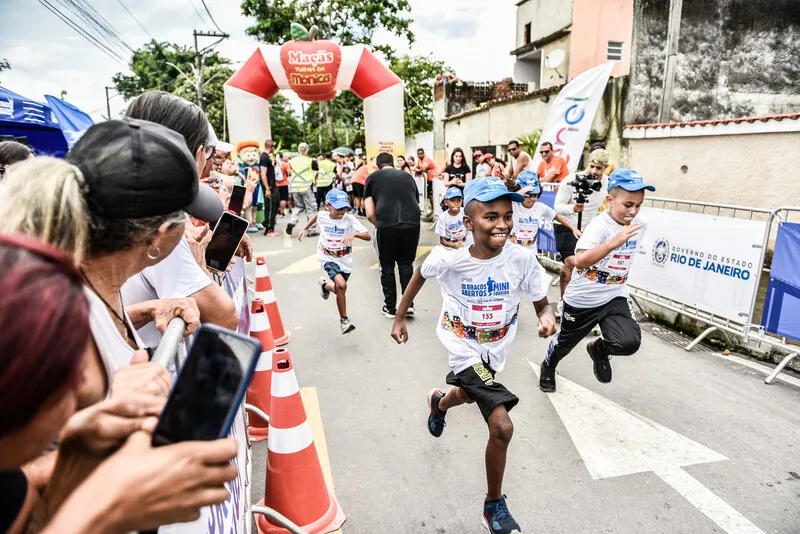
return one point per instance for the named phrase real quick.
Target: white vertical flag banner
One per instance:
(571, 115)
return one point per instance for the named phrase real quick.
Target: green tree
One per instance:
(346, 22)
(154, 67)
(287, 131)
(418, 73)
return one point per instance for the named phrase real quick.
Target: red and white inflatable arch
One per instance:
(315, 70)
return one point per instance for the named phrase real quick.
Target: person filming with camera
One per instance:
(578, 199)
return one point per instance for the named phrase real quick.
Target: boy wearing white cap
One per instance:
(481, 287)
(598, 292)
(337, 229)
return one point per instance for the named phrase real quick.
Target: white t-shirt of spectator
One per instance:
(451, 227)
(478, 320)
(175, 277)
(114, 350)
(605, 280)
(330, 246)
(482, 170)
(528, 221)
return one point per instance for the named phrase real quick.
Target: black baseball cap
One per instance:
(135, 168)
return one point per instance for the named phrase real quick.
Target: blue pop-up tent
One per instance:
(23, 117)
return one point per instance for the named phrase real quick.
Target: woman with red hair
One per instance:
(45, 317)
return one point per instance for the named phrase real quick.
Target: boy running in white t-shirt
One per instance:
(450, 224)
(530, 215)
(598, 293)
(481, 286)
(337, 229)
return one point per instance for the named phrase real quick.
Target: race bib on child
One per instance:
(487, 315)
(526, 236)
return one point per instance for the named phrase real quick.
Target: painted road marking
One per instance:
(310, 264)
(314, 417)
(421, 251)
(614, 441)
(287, 240)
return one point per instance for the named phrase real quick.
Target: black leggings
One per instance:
(621, 333)
(271, 206)
(321, 192)
(396, 245)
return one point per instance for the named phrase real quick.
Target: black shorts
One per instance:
(565, 241)
(358, 190)
(430, 188)
(332, 268)
(478, 382)
(283, 191)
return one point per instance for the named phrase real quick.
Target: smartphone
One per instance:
(209, 388)
(228, 233)
(236, 202)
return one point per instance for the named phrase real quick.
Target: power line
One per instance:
(212, 18)
(96, 21)
(199, 16)
(81, 31)
(137, 20)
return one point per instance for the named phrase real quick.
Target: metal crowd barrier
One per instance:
(166, 355)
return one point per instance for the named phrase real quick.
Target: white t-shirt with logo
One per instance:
(330, 246)
(528, 221)
(451, 227)
(481, 298)
(606, 279)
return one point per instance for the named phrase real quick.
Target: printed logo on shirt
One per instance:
(489, 289)
(335, 229)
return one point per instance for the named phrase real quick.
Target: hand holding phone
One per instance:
(209, 388)
(228, 233)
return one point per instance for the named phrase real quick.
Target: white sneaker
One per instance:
(411, 311)
(346, 325)
(559, 309)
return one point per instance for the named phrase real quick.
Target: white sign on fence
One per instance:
(700, 260)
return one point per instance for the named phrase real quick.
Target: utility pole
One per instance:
(108, 103)
(320, 127)
(198, 59)
(303, 113)
(673, 34)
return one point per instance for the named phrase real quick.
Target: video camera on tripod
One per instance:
(585, 185)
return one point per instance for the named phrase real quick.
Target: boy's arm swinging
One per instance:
(399, 332)
(308, 225)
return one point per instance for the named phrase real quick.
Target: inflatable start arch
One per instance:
(315, 70)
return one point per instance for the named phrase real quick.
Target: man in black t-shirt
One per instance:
(271, 194)
(392, 204)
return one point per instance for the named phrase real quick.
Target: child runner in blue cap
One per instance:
(337, 229)
(530, 215)
(598, 293)
(450, 224)
(481, 287)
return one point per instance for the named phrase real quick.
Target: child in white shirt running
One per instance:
(598, 291)
(337, 229)
(450, 224)
(531, 215)
(481, 286)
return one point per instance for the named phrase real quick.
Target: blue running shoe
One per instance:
(497, 518)
(436, 418)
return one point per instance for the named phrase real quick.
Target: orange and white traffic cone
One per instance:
(260, 389)
(264, 291)
(295, 485)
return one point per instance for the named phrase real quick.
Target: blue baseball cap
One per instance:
(453, 192)
(337, 198)
(627, 179)
(488, 189)
(529, 179)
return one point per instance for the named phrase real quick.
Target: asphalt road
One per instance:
(678, 442)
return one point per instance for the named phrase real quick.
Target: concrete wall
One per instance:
(546, 17)
(594, 23)
(735, 59)
(747, 170)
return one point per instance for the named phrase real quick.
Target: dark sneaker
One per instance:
(387, 312)
(289, 228)
(547, 378)
(602, 367)
(346, 325)
(436, 418)
(497, 518)
(312, 233)
(323, 291)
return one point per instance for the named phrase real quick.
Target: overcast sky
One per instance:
(474, 37)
